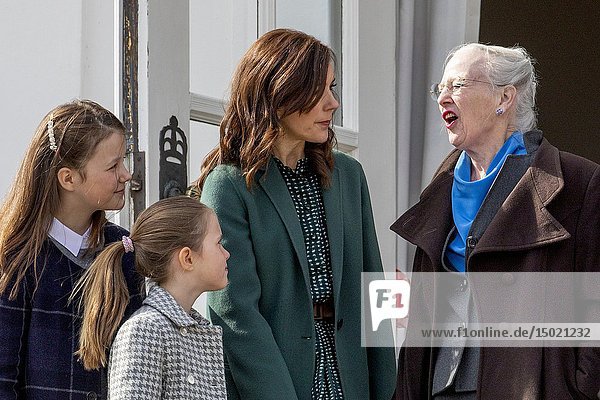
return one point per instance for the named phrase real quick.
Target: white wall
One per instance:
(377, 116)
(40, 68)
(50, 55)
(217, 44)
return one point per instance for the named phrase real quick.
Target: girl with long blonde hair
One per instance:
(52, 224)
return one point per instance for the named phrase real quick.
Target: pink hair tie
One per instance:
(127, 244)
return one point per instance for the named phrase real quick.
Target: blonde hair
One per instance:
(26, 213)
(163, 228)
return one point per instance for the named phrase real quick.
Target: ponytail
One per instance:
(104, 297)
(160, 230)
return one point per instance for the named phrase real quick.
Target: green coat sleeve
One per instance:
(255, 368)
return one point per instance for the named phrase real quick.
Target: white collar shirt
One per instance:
(71, 240)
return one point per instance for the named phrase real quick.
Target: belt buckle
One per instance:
(319, 310)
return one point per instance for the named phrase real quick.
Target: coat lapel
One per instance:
(428, 222)
(332, 201)
(274, 186)
(523, 221)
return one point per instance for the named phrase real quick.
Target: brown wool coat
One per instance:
(549, 222)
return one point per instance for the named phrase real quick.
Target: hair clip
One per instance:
(51, 137)
(127, 244)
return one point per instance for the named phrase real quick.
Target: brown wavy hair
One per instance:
(283, 72)
(26, 213)
(162, 229)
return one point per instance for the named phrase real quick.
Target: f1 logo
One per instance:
(388, 299)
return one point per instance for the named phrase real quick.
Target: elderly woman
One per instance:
(505, 200)
(297, 220)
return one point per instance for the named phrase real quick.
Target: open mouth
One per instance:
(449, 117)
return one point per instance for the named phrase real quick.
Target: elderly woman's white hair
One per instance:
(510, 66)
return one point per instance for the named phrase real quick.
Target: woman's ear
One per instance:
(186, 259)
(509, 96)
(67, 178)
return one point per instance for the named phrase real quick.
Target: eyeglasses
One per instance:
(453, 86)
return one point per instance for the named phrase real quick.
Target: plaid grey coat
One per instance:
(162, 352)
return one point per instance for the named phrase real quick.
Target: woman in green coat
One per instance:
(296, 217)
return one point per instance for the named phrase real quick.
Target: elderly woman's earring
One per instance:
(499, 111)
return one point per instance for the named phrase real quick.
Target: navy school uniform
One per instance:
(39, 330)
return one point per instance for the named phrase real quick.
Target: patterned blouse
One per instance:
(305, 190)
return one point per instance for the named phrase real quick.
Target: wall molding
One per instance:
(347, 139)
(206, 109)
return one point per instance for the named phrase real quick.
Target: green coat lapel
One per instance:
(274, 186)
(332, 201)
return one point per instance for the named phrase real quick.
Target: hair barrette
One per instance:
(51, 137)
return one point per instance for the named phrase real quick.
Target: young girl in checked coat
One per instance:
(52, 224)
(166, 350)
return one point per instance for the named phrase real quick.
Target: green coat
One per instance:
(266, 310)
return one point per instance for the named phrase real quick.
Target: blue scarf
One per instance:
(467, 195)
